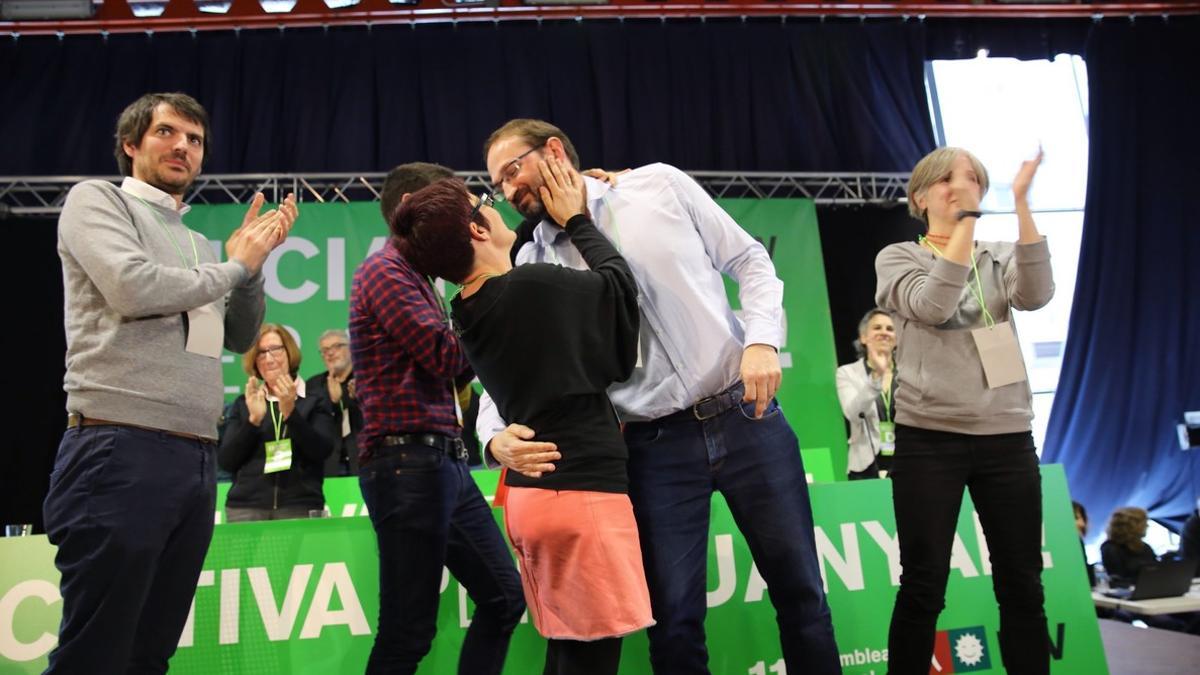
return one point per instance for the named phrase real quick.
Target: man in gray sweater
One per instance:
(148, 309)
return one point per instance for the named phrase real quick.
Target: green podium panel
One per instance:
(302, 596)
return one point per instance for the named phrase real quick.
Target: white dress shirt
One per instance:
(147, 192)
(678, 243)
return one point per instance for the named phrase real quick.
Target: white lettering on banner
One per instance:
(848, 567)
(279, 622)
(961, 560)
(376, 245)
(726, 571)
(761, 668)
(464, 616)
(335, 268)
(985, 556)
(889, 544)
(274, 287)
(755, 586)
(10, 647)
(188, 637)
(860, 657)
(334, 576)
(230, 609)
(847, 564)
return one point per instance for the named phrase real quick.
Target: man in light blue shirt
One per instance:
(699, 410)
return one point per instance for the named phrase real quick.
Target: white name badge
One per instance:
(1000, 354)
(206, 331)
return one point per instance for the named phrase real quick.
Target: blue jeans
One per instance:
(428, 514)
(674, 468)
(131, 511)
(929, 472)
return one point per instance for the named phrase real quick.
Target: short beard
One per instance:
(168, 186)
(536, 210)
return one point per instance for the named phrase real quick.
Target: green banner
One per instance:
(302, 596)
(308, 287)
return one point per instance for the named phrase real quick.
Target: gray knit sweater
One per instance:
(127, 292)
(941, 384)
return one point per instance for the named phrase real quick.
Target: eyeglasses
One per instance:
(332, 349)
(482, 199)
(509, 171)
(271, 351)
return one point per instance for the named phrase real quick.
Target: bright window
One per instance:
(1002, 110)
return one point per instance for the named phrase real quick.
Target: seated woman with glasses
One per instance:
(276, 439)
(546, 342)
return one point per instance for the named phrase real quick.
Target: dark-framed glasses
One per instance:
(509, 171)
(482, 199)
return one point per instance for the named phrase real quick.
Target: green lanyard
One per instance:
(978, 286)
(163, 223)
(886, 394)
(276, 420)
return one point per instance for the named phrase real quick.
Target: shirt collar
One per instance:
(549, 234)
(148, 192)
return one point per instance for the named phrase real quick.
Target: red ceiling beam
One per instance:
(114, 16)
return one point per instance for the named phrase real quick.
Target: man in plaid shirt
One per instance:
(426, 509)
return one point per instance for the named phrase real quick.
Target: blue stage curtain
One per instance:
(1132, 361)
(724, 95)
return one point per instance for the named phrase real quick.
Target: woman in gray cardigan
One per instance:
(963, 407)
(866, 389)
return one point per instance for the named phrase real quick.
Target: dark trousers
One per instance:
(573, 657)
(674, 468)
(930, 470)
(429, 514)
(131, 512)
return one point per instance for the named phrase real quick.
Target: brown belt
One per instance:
(78, 420)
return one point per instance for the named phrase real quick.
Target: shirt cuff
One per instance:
(769, 335)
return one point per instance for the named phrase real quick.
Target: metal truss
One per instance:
(44, 195)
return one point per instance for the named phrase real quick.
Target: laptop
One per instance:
(1164, 579)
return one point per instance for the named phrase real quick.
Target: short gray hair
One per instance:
(334, 332)
(936, 166)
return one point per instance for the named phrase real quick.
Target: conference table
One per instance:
(1188, 602)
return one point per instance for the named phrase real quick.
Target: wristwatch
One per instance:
(968, 214)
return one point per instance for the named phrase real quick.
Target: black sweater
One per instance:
(546, 342)
(312, 429)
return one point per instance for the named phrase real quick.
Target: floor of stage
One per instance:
(1148, 651)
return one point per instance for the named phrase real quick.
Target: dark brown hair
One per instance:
(136, 118)
(406, 179)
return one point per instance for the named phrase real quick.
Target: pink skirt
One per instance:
(581, 562)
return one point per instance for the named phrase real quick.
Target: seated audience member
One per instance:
(1125, 553)
(1081, 525)
(1189, 539)
(546, 341)
(276, 439)
(334, 387)
(865, 390)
